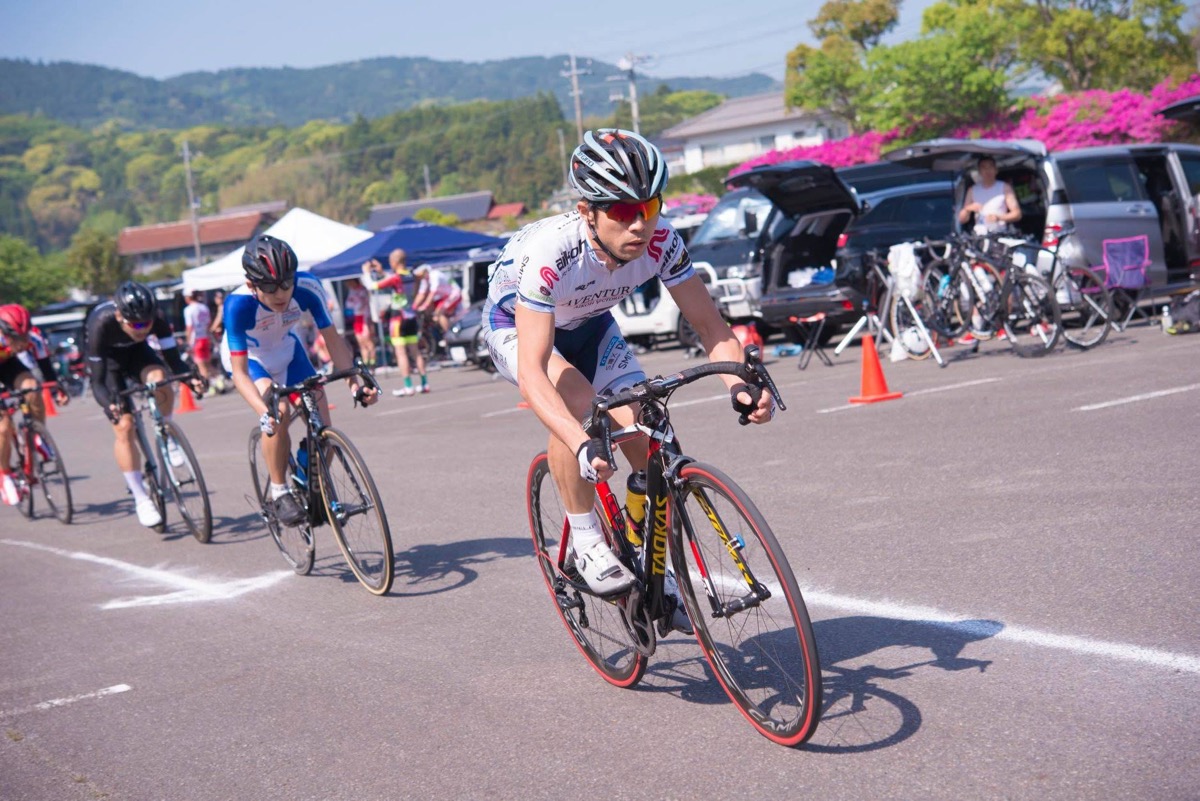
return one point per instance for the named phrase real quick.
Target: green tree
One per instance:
(1103, 44)
(832, 76)
(27, 278)
(958, 72)
(432, 215)
(95, 262)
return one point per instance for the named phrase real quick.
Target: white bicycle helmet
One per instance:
(615, 166)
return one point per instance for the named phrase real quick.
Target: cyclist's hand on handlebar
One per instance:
(198, 385)
(592, 465)
(364, 395)
(266, 423)
(60, 396)
(752, 403)
(113, 412)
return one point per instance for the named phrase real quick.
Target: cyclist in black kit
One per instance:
(119, 356)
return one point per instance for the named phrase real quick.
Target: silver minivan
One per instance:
(1104, 192)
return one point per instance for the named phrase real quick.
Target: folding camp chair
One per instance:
(810, 329)
(1125, 264)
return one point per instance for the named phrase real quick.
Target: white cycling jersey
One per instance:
(550, 266)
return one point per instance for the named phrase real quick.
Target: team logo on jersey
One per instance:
(549, 279)
(684, 263)
(568, 255)
(582, 287)
(655, 246)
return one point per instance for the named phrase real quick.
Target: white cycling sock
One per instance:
(278, 490)
(585, 531)
(133, 480)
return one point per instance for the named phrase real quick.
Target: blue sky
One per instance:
(160, 38)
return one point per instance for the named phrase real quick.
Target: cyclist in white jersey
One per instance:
(436, 289)
(550, 332)
(260, 348)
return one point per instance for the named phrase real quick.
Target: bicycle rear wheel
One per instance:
(355, 512)
(744, 602)
(596, 625)
(1031, 317)
(187, 484)
(1086, 306)
(51, 474)
(294, 542)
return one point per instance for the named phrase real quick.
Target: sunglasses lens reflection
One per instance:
(628, 212)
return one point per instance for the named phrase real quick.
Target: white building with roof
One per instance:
(745, 127)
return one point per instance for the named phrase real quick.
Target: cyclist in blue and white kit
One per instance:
(550, 332)
(260, 348)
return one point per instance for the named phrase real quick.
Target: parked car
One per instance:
(1103, 192)
(464, 340)
(727, 248)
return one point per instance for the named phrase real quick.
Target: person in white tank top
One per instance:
(992, 202)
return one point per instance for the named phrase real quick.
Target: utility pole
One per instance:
(629, 65)
(428, 186)
(562, 152)
(574, 74)
(187, 168)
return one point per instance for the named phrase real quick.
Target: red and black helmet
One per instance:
(14, 320)
(268, 259)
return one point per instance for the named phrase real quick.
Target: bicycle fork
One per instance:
(734, 545)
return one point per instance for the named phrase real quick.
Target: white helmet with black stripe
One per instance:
(617, 166)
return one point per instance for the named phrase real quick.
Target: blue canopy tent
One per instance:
(425, 243)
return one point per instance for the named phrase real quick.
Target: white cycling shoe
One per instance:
(603, 572)
(174, 453)
(147, 513)
(679, 618)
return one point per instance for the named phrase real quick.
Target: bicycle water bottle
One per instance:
(302, 463)
(635, 506)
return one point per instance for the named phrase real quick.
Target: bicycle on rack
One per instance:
(964, 288)
(332, 484)
(739, 591)
(167, 472)
(1085, 303)
(36, 460)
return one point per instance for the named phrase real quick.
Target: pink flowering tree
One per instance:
(1062, 122)
(697, 204)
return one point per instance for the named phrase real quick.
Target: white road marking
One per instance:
(1135, 398)
(505, 411)
(914, 393)
(185, 589)
(56, 702)
(981, 629)
(978, 629)
(433, 406)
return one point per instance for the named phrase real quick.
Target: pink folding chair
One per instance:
(1125, 264)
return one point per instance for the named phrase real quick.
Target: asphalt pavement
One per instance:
(1001, 567)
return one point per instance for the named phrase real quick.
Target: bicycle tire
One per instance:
(1086, 306)
(296, 543)
(187, 475)
(901, 318)
(761, 650)
(595, 625)
(16, 469)
(1031, 317)
(51, 472)
(150, 476)
(368, 551)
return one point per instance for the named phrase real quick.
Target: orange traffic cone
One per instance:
(522, 405)
(874, 385)
(48, 402)
(187, 401)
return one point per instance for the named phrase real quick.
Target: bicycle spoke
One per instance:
(294, 542)
(355, 512)
(187, 484)
(749, 616)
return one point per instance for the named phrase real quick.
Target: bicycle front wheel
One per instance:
(746, 607)
(1031, 317)
(1086, 306)
(296, 543)
(355, 512)
(597, 625)
(50, 473)
(186, 483)
(16, 469)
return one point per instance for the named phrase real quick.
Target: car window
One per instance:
(725, 220)
(925, 208)
(1191, 171)
(1101, 181)
(882, 211)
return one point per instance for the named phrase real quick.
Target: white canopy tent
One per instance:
(313, 237)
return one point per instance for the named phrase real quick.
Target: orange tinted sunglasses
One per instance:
(628, 212)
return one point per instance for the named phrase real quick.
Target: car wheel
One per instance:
(480, 353)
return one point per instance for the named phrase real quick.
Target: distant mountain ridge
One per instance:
(87, 95)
